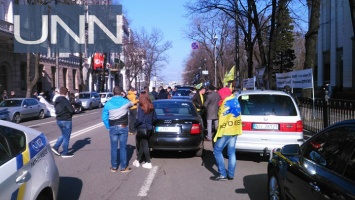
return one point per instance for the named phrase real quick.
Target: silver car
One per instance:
(22, 108)
(90, 100)
(27, 166)
(271, 119)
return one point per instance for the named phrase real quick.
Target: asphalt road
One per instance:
(175, 175)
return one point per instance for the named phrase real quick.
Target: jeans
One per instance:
(117, 133)
(229, 141)
(131, 119)
(65, 127)
(209, 127)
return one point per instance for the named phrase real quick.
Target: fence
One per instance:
(319, 114)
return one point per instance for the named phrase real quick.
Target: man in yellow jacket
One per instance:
(229, 127)
(132, 115)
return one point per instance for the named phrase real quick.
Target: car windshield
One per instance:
(267, 104)
(84, 96)
(174, 108)
(182, 92)
(11, 103)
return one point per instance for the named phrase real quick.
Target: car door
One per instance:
(15, 177)
(34, 107)
(97, 99)
(26, 110)
(319, 172)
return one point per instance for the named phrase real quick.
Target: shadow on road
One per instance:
(79, 144)
(69, 188)
(209, 161)
(255, 186)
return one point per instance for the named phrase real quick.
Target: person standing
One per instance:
(227, 133)
(154, 93)
(163, 94)
(4, 95)
(132, 96)
(211, 106)
(199, 100)
(64, 112)
(146, 118)
(115, 118)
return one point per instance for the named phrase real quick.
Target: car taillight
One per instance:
(195, 129)
(246, 126)
(292, 127)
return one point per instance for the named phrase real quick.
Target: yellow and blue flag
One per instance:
(230, 119)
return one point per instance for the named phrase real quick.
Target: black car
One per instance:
(178, 127)
(323, 167)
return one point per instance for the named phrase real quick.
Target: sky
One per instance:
(168, 17)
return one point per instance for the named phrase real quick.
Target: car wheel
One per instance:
(90, 106)
(16, 118)
(41, 114)
(100, 105)
(274, 189)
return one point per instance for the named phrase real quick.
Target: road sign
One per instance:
(194, 45)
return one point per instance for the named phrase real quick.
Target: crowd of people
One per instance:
(133, 114)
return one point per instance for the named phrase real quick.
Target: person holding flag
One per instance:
(229, 127)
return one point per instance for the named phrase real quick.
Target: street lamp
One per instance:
(215, 59)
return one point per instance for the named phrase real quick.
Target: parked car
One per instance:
(27, 167)
(22, 108)
(271, 119)
(105, 96)
(178, 127)
(321, 168)
(90, 100)
(4, 114)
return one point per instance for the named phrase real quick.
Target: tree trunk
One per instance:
(312, 34)
(31, 82)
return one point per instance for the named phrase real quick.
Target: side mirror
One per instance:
(290, 150)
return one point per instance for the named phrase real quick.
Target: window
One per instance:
(74, 79)
(65, 70)
(53, 76)
(12, 143)
(333, 149)
(23, 71)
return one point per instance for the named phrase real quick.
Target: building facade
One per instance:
(335, 47)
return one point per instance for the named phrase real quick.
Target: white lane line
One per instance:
(148, 181)
(77, 133)
(56, 120)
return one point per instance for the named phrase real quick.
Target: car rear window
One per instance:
(174, 108)
(267, 104)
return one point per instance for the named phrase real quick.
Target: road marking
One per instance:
(148, 181)
(56, 120)
(77, 133)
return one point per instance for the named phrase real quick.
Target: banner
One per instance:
(98, 61)
(249, 83)
(295, 79)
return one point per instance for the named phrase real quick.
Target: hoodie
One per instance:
(63, 109)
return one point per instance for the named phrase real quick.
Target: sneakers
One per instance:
(136, 163)
(113, 169)
(55, 151)
(126, 170)
(69, 155)
(218, 178)
(147, 165)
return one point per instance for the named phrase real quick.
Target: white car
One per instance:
(27, 166)
(105, 96)
(271, 119)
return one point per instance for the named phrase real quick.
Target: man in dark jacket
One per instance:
(64, 112)
(212, 107)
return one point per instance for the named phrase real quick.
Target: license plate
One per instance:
(266, 126)
(166, 129)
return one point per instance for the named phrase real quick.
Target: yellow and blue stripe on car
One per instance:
(32, 150)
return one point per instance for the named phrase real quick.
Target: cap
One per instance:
(198, 86)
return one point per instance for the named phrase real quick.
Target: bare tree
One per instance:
(154, 51)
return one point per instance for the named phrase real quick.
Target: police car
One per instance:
(27, 166)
